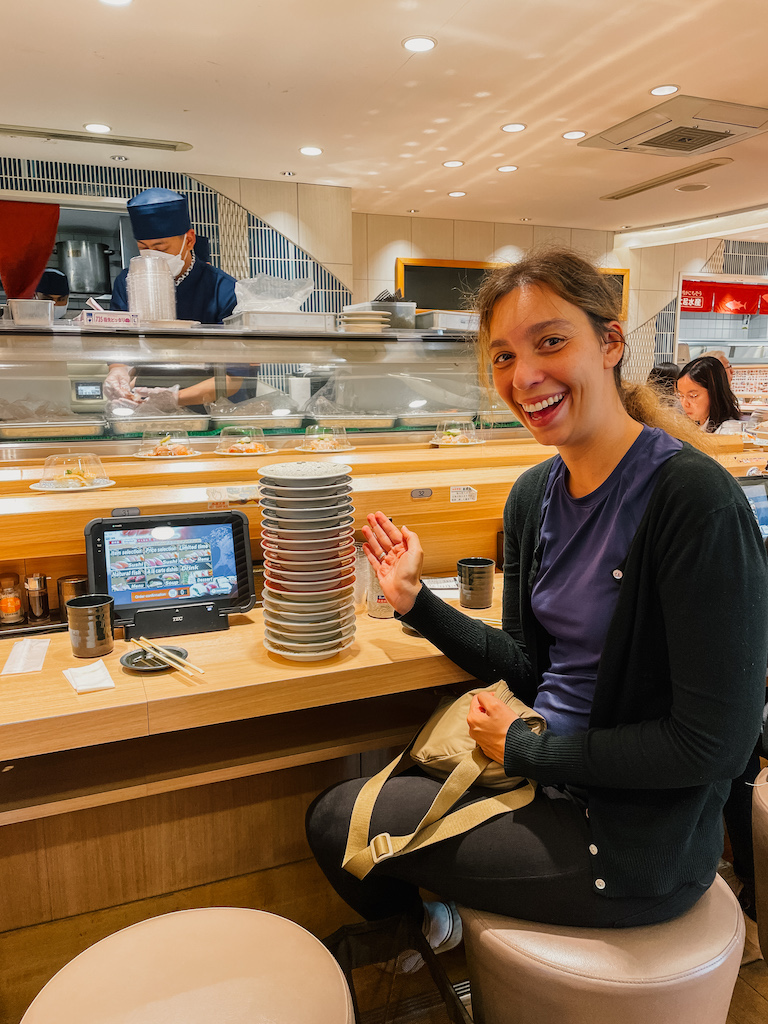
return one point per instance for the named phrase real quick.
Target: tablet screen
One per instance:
(755, 493)
(171, 561)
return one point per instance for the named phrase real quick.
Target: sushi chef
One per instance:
(54, 286)
(160, 221)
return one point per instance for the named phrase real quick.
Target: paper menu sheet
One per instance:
(26, 655)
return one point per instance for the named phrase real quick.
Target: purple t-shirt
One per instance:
(583, 541)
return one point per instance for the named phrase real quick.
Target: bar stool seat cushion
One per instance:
(679, 972)
(203, 966)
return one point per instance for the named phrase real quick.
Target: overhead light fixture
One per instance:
(119, 158)
(667, 179)
(695, 186)
(17, 131)
(117, 3)
(419, 44)
(665, 90)
(517, 127)
(98, 129)
(525, 219)
(574, 135)
(506, 168)
(311, 150)
(288, 174)
(411, 211)
(456, 195)
(624, 227)
(453, 163)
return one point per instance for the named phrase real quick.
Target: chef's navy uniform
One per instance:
(204, 293)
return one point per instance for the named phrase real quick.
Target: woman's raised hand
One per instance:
(396, 557)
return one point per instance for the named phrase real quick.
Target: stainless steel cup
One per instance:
(475, 582)
(70, 587)
(90, 621)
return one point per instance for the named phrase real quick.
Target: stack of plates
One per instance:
(364, 322)
(309, 559)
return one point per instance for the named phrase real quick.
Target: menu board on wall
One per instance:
(451, 284)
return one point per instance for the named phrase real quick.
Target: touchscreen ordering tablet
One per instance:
(152, 562)
(754, 488)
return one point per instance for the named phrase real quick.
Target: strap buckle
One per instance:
(381, 847)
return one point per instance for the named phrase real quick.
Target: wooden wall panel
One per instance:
(106, 856)
(24, 888)
(29, 957)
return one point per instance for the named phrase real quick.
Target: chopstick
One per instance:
(163, 655)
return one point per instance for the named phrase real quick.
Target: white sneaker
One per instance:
(442, 930)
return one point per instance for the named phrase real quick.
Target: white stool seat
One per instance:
(206, 966)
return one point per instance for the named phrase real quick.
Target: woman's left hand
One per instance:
(489, 720)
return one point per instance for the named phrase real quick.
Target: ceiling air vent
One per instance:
(684, 124)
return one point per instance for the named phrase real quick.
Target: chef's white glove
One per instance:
(117, 383)
(162, 400)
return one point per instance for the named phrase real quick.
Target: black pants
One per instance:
(738, 820)
(533, 863)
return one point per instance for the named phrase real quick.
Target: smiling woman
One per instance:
(612, 550)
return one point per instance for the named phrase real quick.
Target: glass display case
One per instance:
(67, 385)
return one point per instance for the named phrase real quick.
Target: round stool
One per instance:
(760, 844)
(679, 972)
(199, 967)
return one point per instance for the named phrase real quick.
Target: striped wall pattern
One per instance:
(238, 240)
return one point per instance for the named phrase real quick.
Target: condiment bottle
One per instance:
(11, 607)
(37, 597)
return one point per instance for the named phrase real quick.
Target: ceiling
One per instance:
(248, 82)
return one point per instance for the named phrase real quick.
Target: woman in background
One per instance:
(706, 396)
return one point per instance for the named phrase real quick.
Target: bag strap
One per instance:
(360, 856)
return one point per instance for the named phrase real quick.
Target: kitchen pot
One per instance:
(86, 265)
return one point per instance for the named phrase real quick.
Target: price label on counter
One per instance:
(463, 492)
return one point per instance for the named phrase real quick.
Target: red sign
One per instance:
(697, 297)
(740, 299)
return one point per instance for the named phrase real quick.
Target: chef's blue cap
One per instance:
(53, 282)
(158, 213)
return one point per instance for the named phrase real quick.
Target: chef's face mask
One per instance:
(175, 262)
(59, 311)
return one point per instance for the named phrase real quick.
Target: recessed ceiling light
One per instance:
(98, 129)
(120, 158)
(419, 44)
(311, 150)
(525, 219)
(506, 168)
(625, 227)
(664, 90)
(695, 186)
(288, 174)
(411, 211)
(453, 163)
(117, 3)
(514, 127)
(456, 195)
(430, 190)
(574, 135)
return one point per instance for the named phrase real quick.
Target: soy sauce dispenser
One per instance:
(37, 597)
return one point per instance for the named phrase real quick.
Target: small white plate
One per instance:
(299, 515)
(302, 474)
(313, 611)
(65, 490)
(307, 529)
(279, 501)
(296, 643)
(308, 597)
(294, 626)
(167, 458)
(340, 486)
(331, 583)
(337, 539)
(269, 451)
(297, 569)
(277, 551)
(454, 444)
(311, 576)
(314, 656)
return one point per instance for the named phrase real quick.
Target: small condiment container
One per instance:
(37, 597)
(11, 605)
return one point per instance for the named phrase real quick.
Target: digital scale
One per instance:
(86, 386)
